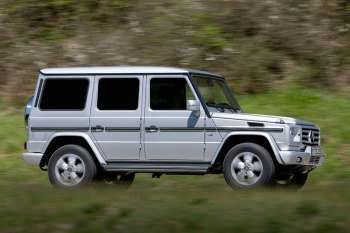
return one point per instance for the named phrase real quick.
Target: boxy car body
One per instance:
(159, 120)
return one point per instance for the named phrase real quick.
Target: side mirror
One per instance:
(193, 105)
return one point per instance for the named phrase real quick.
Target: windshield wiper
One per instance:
(228, 106)
(236, 109)
(214, 105)
(222, 106)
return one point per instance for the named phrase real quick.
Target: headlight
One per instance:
(295, 133)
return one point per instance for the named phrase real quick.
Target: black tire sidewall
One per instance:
(125, 180)
(264, 156)
(90, 166)
(298, 181)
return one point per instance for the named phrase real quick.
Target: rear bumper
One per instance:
(303, 157)
(32, 158)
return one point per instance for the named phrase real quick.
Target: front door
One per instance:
(171, 132)
(116, 116)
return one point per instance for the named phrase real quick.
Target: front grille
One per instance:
(311, 136)
(314, 159)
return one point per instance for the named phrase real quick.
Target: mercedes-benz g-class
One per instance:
(113, 122)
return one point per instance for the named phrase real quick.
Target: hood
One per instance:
(260, 118)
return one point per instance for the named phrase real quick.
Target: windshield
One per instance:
(217, 94)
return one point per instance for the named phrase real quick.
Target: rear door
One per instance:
(116, 116)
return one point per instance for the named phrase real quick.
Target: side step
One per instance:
(163, 167)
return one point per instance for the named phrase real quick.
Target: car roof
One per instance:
(105, 70)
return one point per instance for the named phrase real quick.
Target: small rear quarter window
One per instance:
(64, 94)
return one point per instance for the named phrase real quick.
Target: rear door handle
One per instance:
(151, 129)
(97, 128)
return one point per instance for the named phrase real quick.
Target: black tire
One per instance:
(123, 180)
(86, 159)
(264, 177)
(296, 181)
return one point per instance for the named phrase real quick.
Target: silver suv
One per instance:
(108, 123)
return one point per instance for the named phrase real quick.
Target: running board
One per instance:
(163, 167)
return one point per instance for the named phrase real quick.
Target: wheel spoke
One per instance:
(72, 160)
(65, 175)
(248, 158)
(250, 174)
(74, 176)
(238, 164)
(256, 166)
(241, 175)
(62, 165)
(79, 168)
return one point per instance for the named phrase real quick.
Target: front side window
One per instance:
(170, 93)
(216, 94)
(64, 94)
(118, 94)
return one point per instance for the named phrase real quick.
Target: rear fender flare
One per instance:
(86, 137)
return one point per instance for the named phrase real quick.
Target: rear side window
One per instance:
(170, 93)
(64, 94)
(118, 94)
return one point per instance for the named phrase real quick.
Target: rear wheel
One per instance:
(248, 165)
(71, 166)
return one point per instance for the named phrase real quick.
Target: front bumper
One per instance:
(307, 157)
(32, 158)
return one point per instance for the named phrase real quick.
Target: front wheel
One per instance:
(248, 165)
(71, 166)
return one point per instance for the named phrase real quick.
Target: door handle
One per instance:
(97, 128)
(151, 129)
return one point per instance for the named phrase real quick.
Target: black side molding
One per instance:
(46, 129)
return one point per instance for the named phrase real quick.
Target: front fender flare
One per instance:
(252, 133)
